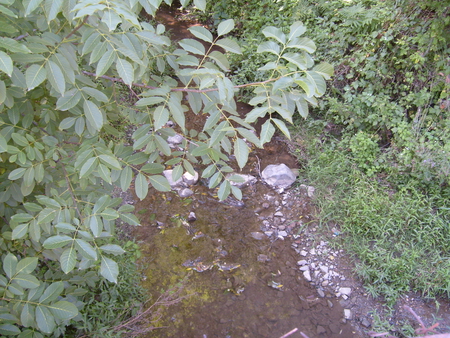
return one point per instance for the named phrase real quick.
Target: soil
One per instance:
(233, 283)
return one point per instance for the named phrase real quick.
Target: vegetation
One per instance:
(379, 141)
(64, 68)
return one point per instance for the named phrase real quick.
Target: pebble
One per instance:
(257, 235)
(192, 217)
(278, 214)
(304, 268)
(186, 192)
(303, 253)
(347, 314)
(345, 291)
(330, 303)
(324, 268)
(307, 275)
(302, 262)
(320, 329)
(321, 293)
(282, 233)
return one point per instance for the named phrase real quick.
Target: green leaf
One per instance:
(35, 75)
(250, 136)
(192, 46)
(276, 33)
(9, 265)
(63, 310)
(6, 64)
(9, 330)
(125, 178)
(255, 113)
(55, 8)
(200, 4)
(68, 259)
(69, 100)
(26, 281)
(56, 77)
(44, 319)
(148, 101)
(296, 59)
(129, 219)
(296, 30)
(225, 27)
(109, 269)
(27, 265)
(267, 131)
(325, 69)
(31, 5)
(141, 186)
(3, 93)
(241, 152)
(220, 59)
(125, 70)
(112, 249)
(105, 62)
(236, 192)
(160, 183)
(20, 231)
(161, 116)
(57, 241)
(110, 161)
(27, 315)
(162, 145)
(177, 173)
(93, 114)
(286, 114)
(46, 216)
(109, 214)
(224, 190)
(318, 81)
(95, 225)
(85, 249)
(16, 174)
(13, 46)
(302, 107)
(176, 110)
(111, 19)
(269, 46)
(95, 93)
(229, 45)
(303, 44)
(282, 126)
(201, 33)
(52, 292)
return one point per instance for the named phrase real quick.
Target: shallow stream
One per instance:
(234, 281)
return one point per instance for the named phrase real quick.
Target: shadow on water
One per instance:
(236, 285)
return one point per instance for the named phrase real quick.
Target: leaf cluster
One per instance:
(63, 67)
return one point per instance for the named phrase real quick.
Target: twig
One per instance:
(189, 90)
(77, 27)
(289, 333)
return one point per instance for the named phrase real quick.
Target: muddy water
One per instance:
(232, 284)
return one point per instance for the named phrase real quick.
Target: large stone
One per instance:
(278, 175)
(190, 179)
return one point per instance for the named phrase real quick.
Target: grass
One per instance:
(398, 236)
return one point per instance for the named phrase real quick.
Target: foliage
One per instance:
(391, 80)
(63, 65)
(400, 238)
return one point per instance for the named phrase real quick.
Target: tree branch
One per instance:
(188, 90)
(77, 27)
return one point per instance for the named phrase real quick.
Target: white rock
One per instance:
(347, 314)
(176, 139)
(190, 179)
(278, 175)
(345, 291)
(282, 233)
(302, 262)
(304, 268)
(185, 192)
(324, 268)
(307, 275)
(303, 253)
(278, 214)
(312, 251)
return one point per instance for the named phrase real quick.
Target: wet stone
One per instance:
(307, 275)
(278, 175)
(185, 192)
(257, 235)
(192, 217)
(347, 314)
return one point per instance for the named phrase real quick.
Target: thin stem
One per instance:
(78, 27)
